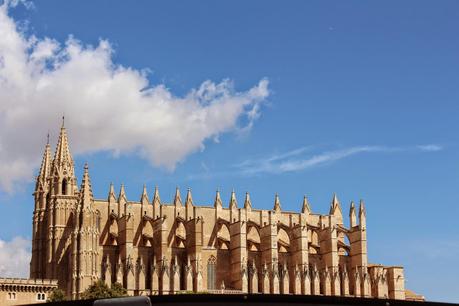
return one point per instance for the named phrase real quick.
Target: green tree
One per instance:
(100, 290)
(57, 295)
(118, 290)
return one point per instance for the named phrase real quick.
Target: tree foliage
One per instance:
(100, 290)
(57, 295)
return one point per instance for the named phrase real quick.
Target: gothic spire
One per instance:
(86, 196)
(233, 202)
(45, 167)
(306, 208)
(247, 202)
(189, 198)
(218, 200)
(177, 198)
(62, 155)
(144, 198)
(277, 205)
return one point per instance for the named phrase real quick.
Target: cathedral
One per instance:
(152, 247)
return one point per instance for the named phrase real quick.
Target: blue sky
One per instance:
(357, 98)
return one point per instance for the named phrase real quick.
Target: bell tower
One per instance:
(63, 200)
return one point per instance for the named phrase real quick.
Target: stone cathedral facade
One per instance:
(152, 247)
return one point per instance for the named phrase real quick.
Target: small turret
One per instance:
(177, 198)
(362, 215)
(306, 209)
(247, 202)
(352, 215)
(233, 202)
(277, 205)
(218, 200)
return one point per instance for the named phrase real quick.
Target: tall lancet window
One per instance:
(64, 186)
(211, 273)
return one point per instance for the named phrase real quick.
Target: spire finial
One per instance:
(47, 138)
(352, 215)
(63, 120)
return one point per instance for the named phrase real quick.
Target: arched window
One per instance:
(211, 273)
(64, 186)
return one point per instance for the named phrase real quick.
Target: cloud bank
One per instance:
(15, 257)
(108, 107)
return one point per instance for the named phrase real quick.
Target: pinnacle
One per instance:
(362, 208)
(306, 208)
(177, 198)
(233, 202)
(111, 193)
(277, 205)
(218, 199)
(86, 189)
(335, 207)
(122, 194)
(45, 167)
(247, 202)
(189, 198)
(144, 197)
(156, 196)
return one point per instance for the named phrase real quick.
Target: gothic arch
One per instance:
(223, 237)
(283, 240)
(253, 238)
(147, 233)
(313, 238)
(113, 231)
(180, 235)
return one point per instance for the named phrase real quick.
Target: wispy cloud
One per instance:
(295, 160)
(430, 148)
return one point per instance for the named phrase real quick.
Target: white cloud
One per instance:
(430, 148)
(15, 257)
(107, 106)
(295, 160)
